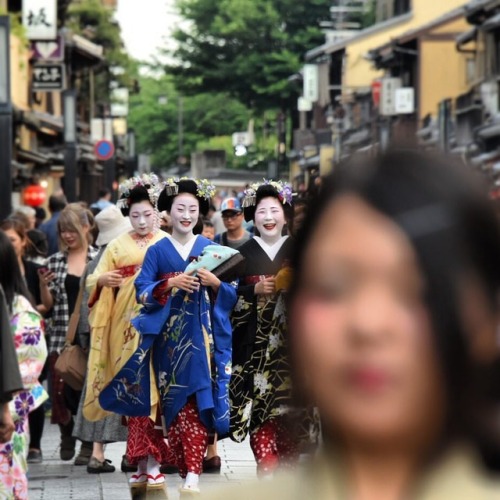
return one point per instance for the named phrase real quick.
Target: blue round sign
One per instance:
(104, 150)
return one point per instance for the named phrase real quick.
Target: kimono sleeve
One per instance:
(147, 281)
(106, 263)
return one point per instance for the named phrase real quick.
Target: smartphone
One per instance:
(43, 269)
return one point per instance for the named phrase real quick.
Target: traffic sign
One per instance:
(104, 150)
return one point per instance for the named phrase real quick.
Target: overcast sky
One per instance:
(146, 25)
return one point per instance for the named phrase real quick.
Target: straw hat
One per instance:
(111, 224)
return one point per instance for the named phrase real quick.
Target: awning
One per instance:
(466, 37)
(489, 131)
(33, 157)
(42, 122)
(491, 24)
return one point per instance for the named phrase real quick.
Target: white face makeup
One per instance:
(270, 219)
(142, 217)
(184, 214)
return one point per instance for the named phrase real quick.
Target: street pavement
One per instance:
(58, 480)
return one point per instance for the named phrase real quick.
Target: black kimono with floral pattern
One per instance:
(260, 383)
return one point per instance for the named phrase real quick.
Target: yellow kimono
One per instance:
(113, 339)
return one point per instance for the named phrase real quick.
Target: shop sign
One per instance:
(48, 78)
(40, 19)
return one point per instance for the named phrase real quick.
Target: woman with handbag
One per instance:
(113, 304)
(26, 326)
(59, 287)
(185, 328)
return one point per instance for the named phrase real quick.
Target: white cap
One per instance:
(111, 223)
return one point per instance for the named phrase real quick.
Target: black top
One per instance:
(72, 287)
(32, 280)
(258, 262)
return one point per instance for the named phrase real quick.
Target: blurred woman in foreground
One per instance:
(393, 316)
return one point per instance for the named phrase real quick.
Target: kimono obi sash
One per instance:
(159, 292)
(127, 271)
(256, 278)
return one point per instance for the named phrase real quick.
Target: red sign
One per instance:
(376, 91)
(34, 195)
(104, 150)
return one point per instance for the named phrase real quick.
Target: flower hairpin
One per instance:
(283, 189)
(204, 189)
(149, 181)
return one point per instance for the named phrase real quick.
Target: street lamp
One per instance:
(70, 139)
(131, 155)
(5, 120)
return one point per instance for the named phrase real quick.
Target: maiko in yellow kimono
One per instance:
(113, 339)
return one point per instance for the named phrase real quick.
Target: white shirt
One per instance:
(271, 250)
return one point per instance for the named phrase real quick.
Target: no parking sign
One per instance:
(104, 150)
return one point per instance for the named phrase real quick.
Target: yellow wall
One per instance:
(359, 72)
(19, 70)
(443, 75)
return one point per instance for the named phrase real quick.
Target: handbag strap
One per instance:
(75, 316)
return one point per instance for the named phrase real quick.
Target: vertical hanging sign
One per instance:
(40, 19)
(311, 82)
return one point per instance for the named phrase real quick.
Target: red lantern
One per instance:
(34, 195)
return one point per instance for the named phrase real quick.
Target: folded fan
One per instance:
(225, 262)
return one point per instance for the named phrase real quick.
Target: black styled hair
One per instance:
(136, 195)
(104, 192)
(267, 191)
(444, 211)
(11, 278)
(185, 186)
(57, 202)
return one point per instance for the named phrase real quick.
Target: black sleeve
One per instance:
(10, 377)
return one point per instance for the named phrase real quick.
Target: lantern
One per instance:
(34, 195)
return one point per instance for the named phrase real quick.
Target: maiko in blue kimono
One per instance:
(186, 333)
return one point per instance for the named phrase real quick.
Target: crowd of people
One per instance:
(358, 328)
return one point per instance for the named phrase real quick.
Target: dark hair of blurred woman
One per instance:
(394, 308)
(10, 278)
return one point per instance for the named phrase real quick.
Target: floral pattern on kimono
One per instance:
(260, 385)
(187, 339)
(31, 349)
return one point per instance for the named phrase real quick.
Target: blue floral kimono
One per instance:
(188, 338)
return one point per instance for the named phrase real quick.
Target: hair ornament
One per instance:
(149, 181)
(283, 189)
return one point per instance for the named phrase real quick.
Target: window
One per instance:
(401, 7)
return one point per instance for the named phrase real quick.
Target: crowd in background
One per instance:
(373, 304)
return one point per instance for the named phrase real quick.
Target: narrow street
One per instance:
(58, 480)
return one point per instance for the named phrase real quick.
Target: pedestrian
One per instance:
(57, 202)
(184, 327)
(16, 233)
(10, 375)
(59, 287)
(260, 383)
(114, 340)
(37, 250)
(208, 229)
(235, 234)
(26, 327)
(103, 202)
(111, 224)
(397, 346)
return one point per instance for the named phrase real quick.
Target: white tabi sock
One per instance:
(192, 480)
